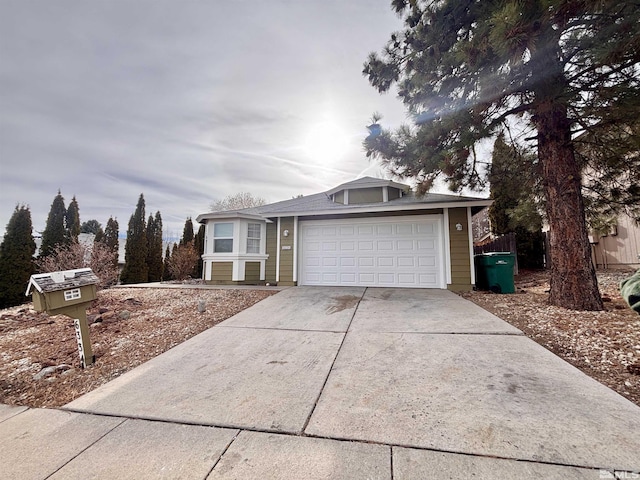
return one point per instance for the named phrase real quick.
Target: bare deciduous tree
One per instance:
(182, 261)
(237, 202)
(97, 256)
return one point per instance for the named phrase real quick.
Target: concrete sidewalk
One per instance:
(338, 383)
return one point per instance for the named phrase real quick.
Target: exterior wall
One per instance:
(621, 249)
(365, 195)
(272, 251)
(339, 198)
(459, 248)
(252, 272)
(394, 193)
(286, 251)
(221, 273)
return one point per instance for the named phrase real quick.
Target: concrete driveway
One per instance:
(339, 383)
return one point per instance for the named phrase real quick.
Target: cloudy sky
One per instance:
(184, 101)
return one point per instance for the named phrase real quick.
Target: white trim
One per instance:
(441, 267)
(278, 253)
(228, 215)
(346, 197)
(447, 246)
(380, 209)
(295, 249)
(471, 259)
(385, 194)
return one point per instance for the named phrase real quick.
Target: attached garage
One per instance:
(368, 232)
(383, 251)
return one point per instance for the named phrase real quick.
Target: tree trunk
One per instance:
(574, 283)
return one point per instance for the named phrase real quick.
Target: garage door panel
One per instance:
(404, 229)
(386, 261)
(392, 251)
(366, 262)
(329, 246)
(365, 246)
(384, 229)
(385, 245)
(347, 246)
(405, 245)
(429, 244)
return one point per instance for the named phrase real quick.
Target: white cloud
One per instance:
(183, 101)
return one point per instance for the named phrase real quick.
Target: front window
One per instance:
(223, 237)
(253, 238)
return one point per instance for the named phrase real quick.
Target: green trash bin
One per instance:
(494, 271)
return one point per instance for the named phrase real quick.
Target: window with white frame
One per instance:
(253, 238)
(223, 237)
(72, 294)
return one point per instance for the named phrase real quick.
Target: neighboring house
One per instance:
(367, 232)
(620, 247)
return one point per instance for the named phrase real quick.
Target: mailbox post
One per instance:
(69, 293)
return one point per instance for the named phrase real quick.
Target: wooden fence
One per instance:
(505, 243)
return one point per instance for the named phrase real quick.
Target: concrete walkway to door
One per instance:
(345, 383)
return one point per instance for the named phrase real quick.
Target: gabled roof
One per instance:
(367, 182)
(321, 203)
(55, 281)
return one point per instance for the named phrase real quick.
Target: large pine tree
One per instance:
(16, 258)
(135, 255)
(154, 255)
(55, 232)
(465, 69)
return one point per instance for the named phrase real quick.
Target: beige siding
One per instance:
(286, 256)
(459, 247)
(252, 272)
(272, 251)
(339, 197)
(365, 195)
(221, 272)
(621, 249)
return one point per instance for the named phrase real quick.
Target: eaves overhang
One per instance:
(380, 209)
(229, 215)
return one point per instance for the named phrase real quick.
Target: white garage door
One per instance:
(389, 252)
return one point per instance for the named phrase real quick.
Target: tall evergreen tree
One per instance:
(199, 243)
(166, 272)
(16, 258)
(464, 69)
(187, 232)
(55, 232)
(154, 239)
(135, 255)
(72, 220)
(111, 239)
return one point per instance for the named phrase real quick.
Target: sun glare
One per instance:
(326, 142)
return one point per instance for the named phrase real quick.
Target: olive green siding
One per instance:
(55, 300)
(339, 197)
(221, 272)
(252, 272)
(272, 251)
(286, 256)
(365, 195)
(459, 248)
(393, 193)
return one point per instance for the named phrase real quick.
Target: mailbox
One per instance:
(69, 292)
